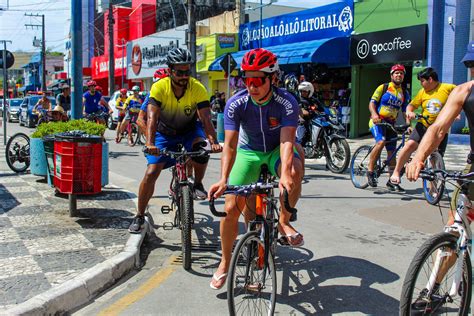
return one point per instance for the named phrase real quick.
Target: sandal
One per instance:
(294, 240)
(217, 282)
(118, 139)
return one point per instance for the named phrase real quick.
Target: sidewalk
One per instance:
(50, 262)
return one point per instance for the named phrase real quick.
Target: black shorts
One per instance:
(418, 133)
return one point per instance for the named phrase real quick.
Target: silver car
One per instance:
(13, 109)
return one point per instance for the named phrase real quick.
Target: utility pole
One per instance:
(111, 50)
(192, 35)
(76, 68)
(43, 47)
(5, 90)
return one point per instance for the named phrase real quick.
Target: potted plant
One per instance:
(38, 165)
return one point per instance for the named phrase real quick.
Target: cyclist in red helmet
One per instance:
(93, 100)
(385, 104)
(260, 126)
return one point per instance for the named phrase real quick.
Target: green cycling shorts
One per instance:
(246, 168)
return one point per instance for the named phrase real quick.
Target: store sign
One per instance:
(390, 46)
(226, 41)
(148, 53)
(334, 20)
(100, 66)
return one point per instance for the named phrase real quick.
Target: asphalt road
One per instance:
(358, 245)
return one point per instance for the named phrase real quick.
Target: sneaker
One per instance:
(371, 176)
(427, 303)
(394, 186)
(199, 192)
(137, 225)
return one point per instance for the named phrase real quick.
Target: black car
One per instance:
(27, 117)
(13, 109)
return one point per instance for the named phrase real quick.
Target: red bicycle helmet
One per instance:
(91, 83)
(397, 67)
(123, 91)
(260, 59)
(160, 74)
(98, 88)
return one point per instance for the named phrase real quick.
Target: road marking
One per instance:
(141, 292)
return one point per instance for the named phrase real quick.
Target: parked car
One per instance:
(113, 119)
(1, 107)
(27, 117)
(13, 109)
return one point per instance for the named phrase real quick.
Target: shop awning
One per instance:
(331, 51)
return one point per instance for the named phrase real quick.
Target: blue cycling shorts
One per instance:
(384, 133)
(171, 142)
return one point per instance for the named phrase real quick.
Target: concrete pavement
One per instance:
(51, 263)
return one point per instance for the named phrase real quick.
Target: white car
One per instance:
(113, 119)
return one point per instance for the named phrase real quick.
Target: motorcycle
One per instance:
(326, 138)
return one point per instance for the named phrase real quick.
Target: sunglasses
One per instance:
(255, 81)
(181, 73)
(469, 63)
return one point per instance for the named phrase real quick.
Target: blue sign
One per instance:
(334, 20)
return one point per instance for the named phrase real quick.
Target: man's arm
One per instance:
(153, 115)
(436, 132)
(205, 117)
(373, 112)
(287, 138)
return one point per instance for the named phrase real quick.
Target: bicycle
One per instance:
(17, 152)
(98, 118)
(423, 292)
(45, 116)
(180, 193)
(252, 280)
(134, 130)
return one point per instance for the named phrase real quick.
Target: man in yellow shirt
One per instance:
(131, 107)
(431, 98)
(120, 105)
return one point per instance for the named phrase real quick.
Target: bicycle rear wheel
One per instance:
(17, 152)
(417, 300)
(186, 211)
(134, 133)
(251, 284)
(433, 190)
(359, 165)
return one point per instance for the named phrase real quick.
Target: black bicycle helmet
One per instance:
(179, 56)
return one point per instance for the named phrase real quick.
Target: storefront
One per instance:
(372, 55)
(100, 71)
(313, 44)
(207, 50)
(145, 55)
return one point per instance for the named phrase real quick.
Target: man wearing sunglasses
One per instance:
(461, 98)
(260, 126)
(174, 105)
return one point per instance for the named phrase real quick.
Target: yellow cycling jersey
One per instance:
(432, 102)
(133, 103)
(120, 103)
(179, 114)
(390, 103)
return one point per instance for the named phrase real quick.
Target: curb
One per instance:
(84, 287)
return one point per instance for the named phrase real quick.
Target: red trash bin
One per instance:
(77, 163)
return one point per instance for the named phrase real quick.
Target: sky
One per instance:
(57, 13)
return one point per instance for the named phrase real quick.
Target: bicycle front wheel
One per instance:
(186, 211)
(433, 190)
(359, 165)
(439, 253)
(134, 133)
(251, 285)
(17, 152)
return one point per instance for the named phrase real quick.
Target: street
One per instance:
(358, 245)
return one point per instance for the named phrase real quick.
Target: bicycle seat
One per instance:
(401, 128)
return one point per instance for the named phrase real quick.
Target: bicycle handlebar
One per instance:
(174, 154)
(247, 189)
(443, 175)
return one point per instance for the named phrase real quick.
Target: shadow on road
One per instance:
(118, 154)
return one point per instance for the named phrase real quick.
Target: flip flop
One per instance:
(221, 278)
(290, 240)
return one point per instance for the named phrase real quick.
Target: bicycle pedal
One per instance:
(165, 209)
(168, 226)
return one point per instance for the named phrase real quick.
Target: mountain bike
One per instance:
(133, 130)
(17, 152)
(181, 195)
(439, 278)
(98, 117)
(252, 284)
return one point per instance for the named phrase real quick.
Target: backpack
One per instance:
(385, 88)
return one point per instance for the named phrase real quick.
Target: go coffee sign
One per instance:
(390, 46)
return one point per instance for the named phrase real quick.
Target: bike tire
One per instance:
(342, 154)
(134, 133)
(244, 264)
(186, 211)
(23, 152)
(427, 252)
(359, 164)
(435, 161)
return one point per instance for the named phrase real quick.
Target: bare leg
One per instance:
(147, 187)
(374, 155)
(405, 153)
